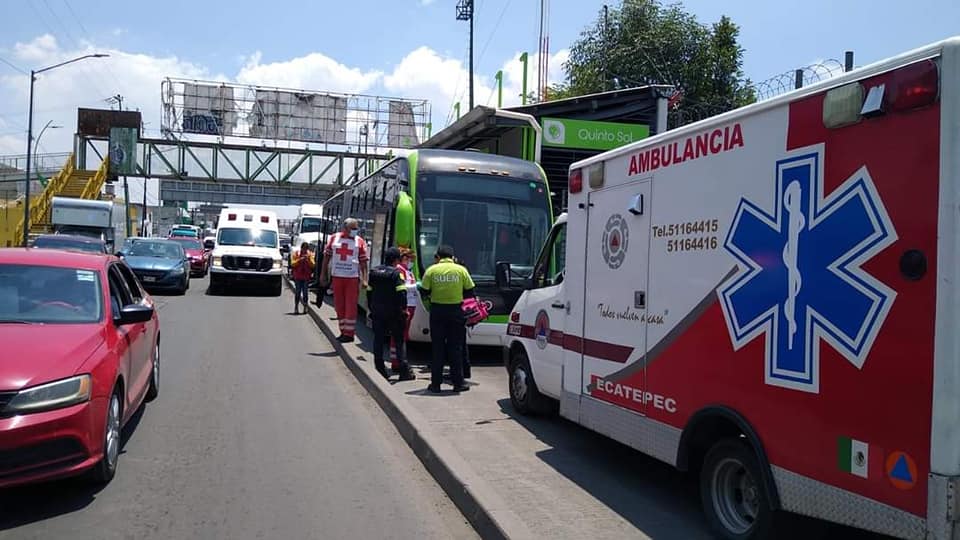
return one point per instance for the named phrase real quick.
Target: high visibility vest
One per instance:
(345, 255)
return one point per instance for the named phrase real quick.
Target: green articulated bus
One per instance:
(489, 208)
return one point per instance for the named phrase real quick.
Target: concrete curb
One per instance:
(486, 511)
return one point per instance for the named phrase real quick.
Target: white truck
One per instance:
(247, 251)
(309, 227)
(85, 217)
(769, 298)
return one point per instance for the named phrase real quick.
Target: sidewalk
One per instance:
(518, 477)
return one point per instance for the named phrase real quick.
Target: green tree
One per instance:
(645, 42)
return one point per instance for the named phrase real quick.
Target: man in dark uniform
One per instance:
(387, 302)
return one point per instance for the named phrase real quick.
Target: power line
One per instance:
(493, 33)
(83, 29)
(21, 70)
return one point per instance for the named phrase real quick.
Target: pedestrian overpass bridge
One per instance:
(222, 172)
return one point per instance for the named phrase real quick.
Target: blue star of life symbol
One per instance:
(800, 279)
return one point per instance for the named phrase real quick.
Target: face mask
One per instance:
(409, 266)
(352, 233)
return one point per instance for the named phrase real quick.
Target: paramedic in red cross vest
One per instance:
(446, 284)
(345, 257)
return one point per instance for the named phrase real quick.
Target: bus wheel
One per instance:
(524, 394)
(731, 489)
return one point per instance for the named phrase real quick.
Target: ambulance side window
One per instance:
(549, 269)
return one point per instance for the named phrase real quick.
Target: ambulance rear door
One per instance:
(614, 328)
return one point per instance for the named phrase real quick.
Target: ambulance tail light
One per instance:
(576, 181)
(264, 219)
(231, 217)
(914, 86)
(515, 317)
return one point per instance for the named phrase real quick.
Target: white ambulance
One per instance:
(247, 251)
(769, 298)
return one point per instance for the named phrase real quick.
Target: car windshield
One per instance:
(188, 243)
(247, 237)
(163, 250)
(45, 294)
(52, 242)
(486, 220)
(185, 233)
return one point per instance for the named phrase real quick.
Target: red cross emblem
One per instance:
(343, 251)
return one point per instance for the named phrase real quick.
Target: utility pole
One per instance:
(126, 188)
(465, 13)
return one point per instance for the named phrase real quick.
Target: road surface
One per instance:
(259, 432)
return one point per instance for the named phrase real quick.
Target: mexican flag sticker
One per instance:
(853, 456)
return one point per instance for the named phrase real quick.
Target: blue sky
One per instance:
(408, 48)
(219, 38)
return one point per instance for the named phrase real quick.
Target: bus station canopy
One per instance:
(485, 129)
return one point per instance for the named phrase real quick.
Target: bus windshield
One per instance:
(311, 225)
(485, 219)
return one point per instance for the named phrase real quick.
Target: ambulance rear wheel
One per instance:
(524, 394)
(732, 492)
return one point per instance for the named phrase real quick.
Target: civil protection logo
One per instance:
(554, 132)
(541, 329)
(616, 235)
(801, 279)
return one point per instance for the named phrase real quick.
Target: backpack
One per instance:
(474, 310)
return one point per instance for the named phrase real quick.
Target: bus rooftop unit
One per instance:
(770, 298)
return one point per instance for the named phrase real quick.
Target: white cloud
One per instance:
(58, 93)
(422, 74)
(313, 71)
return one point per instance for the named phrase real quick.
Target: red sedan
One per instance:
(81, 352)
(199, 257)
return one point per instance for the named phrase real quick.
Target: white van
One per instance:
(247, 251)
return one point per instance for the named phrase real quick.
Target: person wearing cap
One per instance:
(345, 257)
(387, 303)
(445, 284)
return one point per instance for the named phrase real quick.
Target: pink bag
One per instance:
(474, 310)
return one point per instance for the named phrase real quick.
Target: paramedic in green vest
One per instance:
(446, 284)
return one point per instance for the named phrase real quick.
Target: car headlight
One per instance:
(217, 261)
(277, 264)
(177, 270)
(55, 395)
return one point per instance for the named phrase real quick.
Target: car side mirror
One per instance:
(119, 254)
(503, 274)
(134, 313)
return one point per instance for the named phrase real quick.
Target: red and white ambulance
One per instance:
(770, 298)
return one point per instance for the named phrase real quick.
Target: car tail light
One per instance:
(914, 86)
(515, 317)
(576, 181)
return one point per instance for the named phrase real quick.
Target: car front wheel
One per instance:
(154, 389)
(104, 471)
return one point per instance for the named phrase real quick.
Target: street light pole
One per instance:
(26, 193)
(37, 146)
